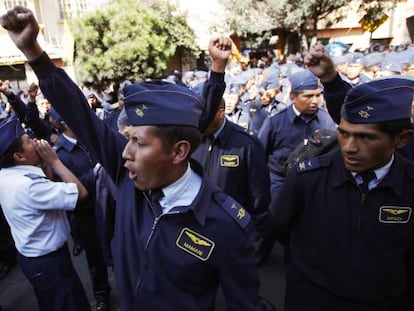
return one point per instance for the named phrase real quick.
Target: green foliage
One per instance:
(128, 40)
(250, 16)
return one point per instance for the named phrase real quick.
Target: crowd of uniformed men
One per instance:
(348, 247)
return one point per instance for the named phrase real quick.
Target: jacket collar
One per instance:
(393, 180)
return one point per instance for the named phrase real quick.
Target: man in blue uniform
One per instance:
(319, 62)
(177, 236)
(266, 104)
(284, 131)
(35, 208)
(234, 160)
(235, 110)
(349, 214)
(281, 133)
(83, 221)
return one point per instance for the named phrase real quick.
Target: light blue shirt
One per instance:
(35, 208)
(380, 174)
(182, 192)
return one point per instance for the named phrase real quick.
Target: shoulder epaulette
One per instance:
(309, 164)
(249, 132)
(236, 211)
(34, 176)
(242, 129)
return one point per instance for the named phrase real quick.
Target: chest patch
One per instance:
(195, 244)
(229, 160)
(394, 214)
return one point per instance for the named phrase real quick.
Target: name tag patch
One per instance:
(394, 214)
(229, 160)
(195, 244)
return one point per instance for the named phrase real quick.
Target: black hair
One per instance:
(395, 127)
(222, 104)
(170, 134)
(7, 160)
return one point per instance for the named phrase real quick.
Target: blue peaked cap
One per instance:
(380, 100)
(303, 80)
(162, 103)
(10, 131)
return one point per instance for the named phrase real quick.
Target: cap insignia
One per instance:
(139, 111)
(241, 213)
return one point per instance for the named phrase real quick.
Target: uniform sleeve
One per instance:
(335, 92)
(286, 207)
(18, 106)
(265, 135)
(48, 195)
(212, 92)
(34, 122)
(239, 277)
(259, 184)
(105, 144)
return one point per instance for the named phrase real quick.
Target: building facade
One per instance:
(203, 16)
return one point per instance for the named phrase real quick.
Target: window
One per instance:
(10, 4)
(72, 8)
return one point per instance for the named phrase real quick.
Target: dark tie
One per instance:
(306, 118)
(210, 140)
(155, 195)
(366, 178)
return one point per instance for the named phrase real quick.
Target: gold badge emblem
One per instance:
(140, 111)
(229, 160)
(302, 165)
(195, 244)
(394, 215)
(364, 114)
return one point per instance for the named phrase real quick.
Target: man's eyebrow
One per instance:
(359, 133)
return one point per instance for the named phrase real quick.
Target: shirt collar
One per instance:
(31, 169)
(297, 113)
(391, 176)
(72, 140)
(217, 133)
(65, 142)
(380, 173)
(182, 192)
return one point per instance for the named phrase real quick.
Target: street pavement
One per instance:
(16, 293)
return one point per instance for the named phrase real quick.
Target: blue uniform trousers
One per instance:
(55, 281)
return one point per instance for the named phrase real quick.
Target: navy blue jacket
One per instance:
(354, 245)
(237, 164)
(281, 133)
(175, 261)
(78, 161)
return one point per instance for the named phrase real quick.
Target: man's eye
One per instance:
(367, 137)
(342, 133)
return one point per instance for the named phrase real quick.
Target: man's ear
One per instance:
(221, 112)
(180, 152)
(403, 138)
(18, 157)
